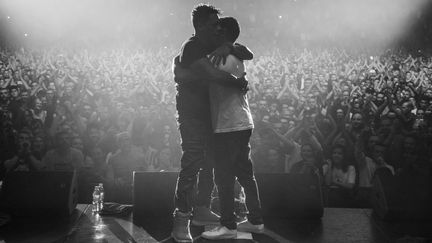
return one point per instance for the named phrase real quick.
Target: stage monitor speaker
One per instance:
(291, 196)
(153, 194)
(404, 197)
(46, 193)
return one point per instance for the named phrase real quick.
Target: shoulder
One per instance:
(192, 50)
(191, 41)
(192, 44)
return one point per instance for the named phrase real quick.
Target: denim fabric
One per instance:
(232, 159)
(196, 163)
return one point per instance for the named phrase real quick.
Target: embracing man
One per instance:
(193, 107)
(232, 125)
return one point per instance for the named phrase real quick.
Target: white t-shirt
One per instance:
(338, 175)
(229, 106)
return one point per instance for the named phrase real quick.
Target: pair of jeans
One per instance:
(232, 159)
(196, 164)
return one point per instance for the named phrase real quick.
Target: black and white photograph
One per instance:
(191, 121)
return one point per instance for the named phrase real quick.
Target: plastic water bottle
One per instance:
(96, 200)
(101, 196)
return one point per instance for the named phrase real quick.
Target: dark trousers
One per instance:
(196, 164)
(232, 159)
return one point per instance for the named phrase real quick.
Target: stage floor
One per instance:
(337, 225)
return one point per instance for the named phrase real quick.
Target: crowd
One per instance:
(105, 113)
(342, 116)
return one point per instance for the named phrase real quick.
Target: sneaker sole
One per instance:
(219, 237)
(180, 241)
(256, 231)
(203, 223)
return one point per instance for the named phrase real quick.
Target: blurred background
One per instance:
(352, 23)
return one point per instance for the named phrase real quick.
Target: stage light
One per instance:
(25, 34)
(8, 17)
(280, 16)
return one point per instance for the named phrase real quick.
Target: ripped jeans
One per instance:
(196, 164)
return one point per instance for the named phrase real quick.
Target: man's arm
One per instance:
(242, 52)
(183, 75)
(204, 68)
(205, 72)
(219, 55)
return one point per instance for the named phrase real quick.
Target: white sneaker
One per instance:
(247, 226)
(219, 233)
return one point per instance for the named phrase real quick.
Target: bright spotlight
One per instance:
(8, 17)
(280, 16)
(25, 34)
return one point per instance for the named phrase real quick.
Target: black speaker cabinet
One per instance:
(46, 193)
(153, 194)
(291, 196)
(402, 197)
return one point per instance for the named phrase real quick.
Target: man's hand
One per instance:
(220, 54)
(243, 83)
